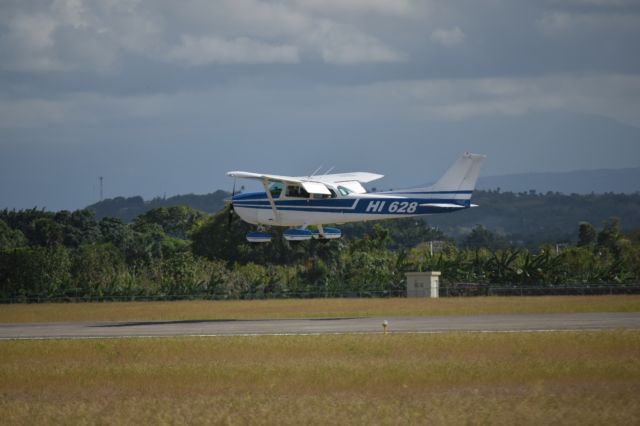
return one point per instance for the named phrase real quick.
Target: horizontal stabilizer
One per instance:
(442, 206)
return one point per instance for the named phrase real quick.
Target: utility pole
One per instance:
(101, 188)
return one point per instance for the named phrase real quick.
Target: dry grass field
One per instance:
(312, 308)
(584, 378)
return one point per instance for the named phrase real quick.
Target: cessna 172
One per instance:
(300, 202)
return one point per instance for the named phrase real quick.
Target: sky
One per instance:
(162, 97)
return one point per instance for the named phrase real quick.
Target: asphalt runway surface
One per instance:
(316, 326)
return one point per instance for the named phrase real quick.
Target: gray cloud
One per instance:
(69, 34)
(213, 50)
(448, 37)
(609, 95)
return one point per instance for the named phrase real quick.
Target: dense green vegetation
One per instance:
(183, 251)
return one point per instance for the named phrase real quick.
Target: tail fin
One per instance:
(462, 175)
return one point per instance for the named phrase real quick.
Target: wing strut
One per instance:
(265, 183)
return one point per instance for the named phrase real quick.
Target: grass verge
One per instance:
(516, 378)
(312, 308)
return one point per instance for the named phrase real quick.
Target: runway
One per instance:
(480, 323)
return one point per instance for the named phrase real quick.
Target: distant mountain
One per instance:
(128, 208)
(577, 182)
(537, 217)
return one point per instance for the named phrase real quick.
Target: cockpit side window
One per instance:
(275, 189)
(324, 196)
(296, 191)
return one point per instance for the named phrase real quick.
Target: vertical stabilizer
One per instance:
(462, 175)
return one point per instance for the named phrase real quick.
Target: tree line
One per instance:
(183, 251)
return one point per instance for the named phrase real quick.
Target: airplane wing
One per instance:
(316, 188)
(363, 177)
(352, 181)
(317, 184)
(260, 176)
(311, 186)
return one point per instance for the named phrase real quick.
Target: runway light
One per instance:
(385, 326)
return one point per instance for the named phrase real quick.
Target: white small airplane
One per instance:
(301, 202)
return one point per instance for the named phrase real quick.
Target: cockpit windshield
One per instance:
(344, 191)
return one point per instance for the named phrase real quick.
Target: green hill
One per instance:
(601, 181)
(127, 209)
(532, 218)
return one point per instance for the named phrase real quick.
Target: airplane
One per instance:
(315, 201)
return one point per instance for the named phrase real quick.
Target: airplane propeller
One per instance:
(231, 211)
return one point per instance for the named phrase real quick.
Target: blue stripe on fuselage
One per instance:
(250, 196)
(418, 192)
(334, 204)
(372, 206)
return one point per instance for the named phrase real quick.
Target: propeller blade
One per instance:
(233, 193)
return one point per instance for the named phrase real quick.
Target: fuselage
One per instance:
(256, 207)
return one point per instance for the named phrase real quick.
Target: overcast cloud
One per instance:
(164, 96)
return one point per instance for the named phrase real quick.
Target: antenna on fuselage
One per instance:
(330, 169)
(316, 171)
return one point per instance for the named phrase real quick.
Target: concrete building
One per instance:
(423, 284)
